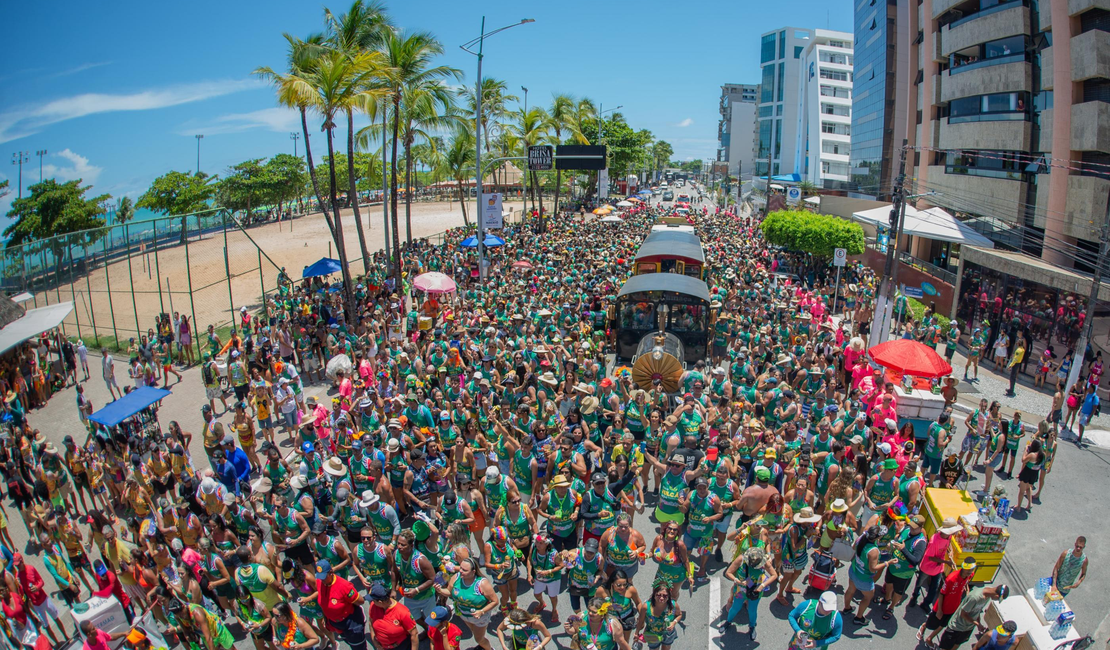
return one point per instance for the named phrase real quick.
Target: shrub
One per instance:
(817, 234)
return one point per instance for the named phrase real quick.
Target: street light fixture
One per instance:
(601, 139)
(480, 42)
(199, 138)
(294, 136)
(524, 173)
(40, 153)
(18, 158)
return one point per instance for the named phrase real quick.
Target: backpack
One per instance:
(206, 373)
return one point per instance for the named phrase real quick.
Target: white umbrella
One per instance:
(612, 219)
(776, 186)
(624, 204)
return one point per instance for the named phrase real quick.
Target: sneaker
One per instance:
(718, 556)
(751, 633)
(859, 620)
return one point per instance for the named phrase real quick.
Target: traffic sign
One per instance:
(793, 195)
(580, 156)
(540, 157)
(840, 256)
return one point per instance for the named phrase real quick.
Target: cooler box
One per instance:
(105, 613)
(941, 504)
(987, 564)
(424, 323)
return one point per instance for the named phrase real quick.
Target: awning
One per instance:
(933, 223)
(22, 297)
(128, 405)
(33, 323)
(323, 266)
(666, 282)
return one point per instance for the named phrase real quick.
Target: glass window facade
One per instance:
(782, 76)
(873, 140)
(782, 45)
(764, 138)
(989, 108)
(767, 49)
(767, 87)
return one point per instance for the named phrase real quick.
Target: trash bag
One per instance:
(339, 362)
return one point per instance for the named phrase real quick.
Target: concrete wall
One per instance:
(1002, 78)
(980, 190)
(844, 207)
(1009, 22)
(997, 136)
(941, 6)
(1086, 206)
(1090, 55)
(1048, 81)
(1090, 126)
(1076, 7)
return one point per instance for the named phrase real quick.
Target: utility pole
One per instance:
(18, 158)
(884, 302)
(525, 172)
(199, 138)
(40, 153)
(294, 136)
(1092, 299)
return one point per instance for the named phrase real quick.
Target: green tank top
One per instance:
(559, 510)
(522, 472)
(670, 491)
(326, 551)
(620, 554)
(506, 556)
(411, 575)
(374, 565)
(495, 493)
(583, 571)
(517, 527)
(468, 598)
(435, 556)
(901, 567)
(603, 640)
(882, 491)
(904, 488)
(861, 566)
(700, 510)
(382, 526)
(655, 625)
(620, 604)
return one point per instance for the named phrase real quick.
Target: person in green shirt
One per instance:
(935, 441)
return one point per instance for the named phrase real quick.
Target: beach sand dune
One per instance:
(127, 296)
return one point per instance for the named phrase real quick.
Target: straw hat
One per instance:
(559, 481)
(954, 380)
(588, 406)
(856, 344)
(262, 485)
(548, 379)
(335, 467)
(582, 387)
(949, 526)
(369, 498)
(298, 482)
(840, 505)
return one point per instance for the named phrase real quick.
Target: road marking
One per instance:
(714, 606)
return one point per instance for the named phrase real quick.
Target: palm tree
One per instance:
(427, 106)
(408, 57)
(125, 210)
(335, 83)
(562, 119)
(361, 29)
(530, 128)
(429, 155)
(292, 92)
(495, 100)
(458, 163)
(808, 188)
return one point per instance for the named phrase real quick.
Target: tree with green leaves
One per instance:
(817, 234)
(51, 209)
(179, 193)
(284, 176)
(244, 187)
(4, 189)
(661, 152)
(458, 164)
(125, 210)
(562, 119)
(627, 148)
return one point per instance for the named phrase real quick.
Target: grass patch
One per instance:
(917, 310)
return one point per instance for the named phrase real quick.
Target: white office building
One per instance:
(824, 127)
(736, 128)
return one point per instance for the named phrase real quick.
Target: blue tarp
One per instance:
(128, 405)
(491, 241)
(324, 266)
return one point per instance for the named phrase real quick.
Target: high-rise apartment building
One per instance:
(736, 128)
(1004, 93)
(824, 133)
(780, 58)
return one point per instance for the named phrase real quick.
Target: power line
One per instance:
(1033, 158)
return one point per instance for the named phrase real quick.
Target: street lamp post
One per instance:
(601, 140)
(480, 42)
(294, 136)
(199, 138)
(40, 153)
(523, 121)
(18, 158)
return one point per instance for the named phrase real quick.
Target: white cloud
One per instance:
(31, 119)
(80, 68)
(78, 168)
(685, 123)
(277, 119)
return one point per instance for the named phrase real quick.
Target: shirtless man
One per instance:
(1056, 413)
(755, 496)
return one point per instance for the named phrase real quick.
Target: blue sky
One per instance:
(116, 91)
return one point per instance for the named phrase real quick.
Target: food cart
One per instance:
(984, 536)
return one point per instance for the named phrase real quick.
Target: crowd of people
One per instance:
(478, 446)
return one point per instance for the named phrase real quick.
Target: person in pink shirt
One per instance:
(883, 409)
(930, 573)
(346, 386)
(854, 353)
(96, 639)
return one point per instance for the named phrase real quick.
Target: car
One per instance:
(668, 196)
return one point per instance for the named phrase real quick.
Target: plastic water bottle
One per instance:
(1041, 588)
(1061, 626)
(1054, 609)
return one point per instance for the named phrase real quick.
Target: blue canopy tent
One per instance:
(491, 241)
(324, 266)
(128, 405)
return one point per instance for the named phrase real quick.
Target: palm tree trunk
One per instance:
(312, 175)
(539, 192)
(340, 246)
(408, 187)
(558, 186)
(462, 202)
(354, 192)
(394, 222)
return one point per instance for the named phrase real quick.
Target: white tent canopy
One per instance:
(33, 323)
(933, 223)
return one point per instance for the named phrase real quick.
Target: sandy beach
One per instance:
(131, 293)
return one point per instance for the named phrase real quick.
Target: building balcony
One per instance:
(991, 24)
(1046, 128)
(941, 6)
(938, 47)
(1047, 78)
(1076, 7)
(1090, 126)
(1090, 55)
(987, 79)
(1002, 135)
(986, 190)
(1087, 196)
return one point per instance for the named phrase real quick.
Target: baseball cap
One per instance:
(436, 616)
(828, 600)
(378, 591)
(323, 568)
(762, 474)
(591, 545)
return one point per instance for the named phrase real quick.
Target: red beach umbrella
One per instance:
(910, 358)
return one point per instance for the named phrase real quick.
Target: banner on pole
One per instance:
(603, 184)
(491, 207)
